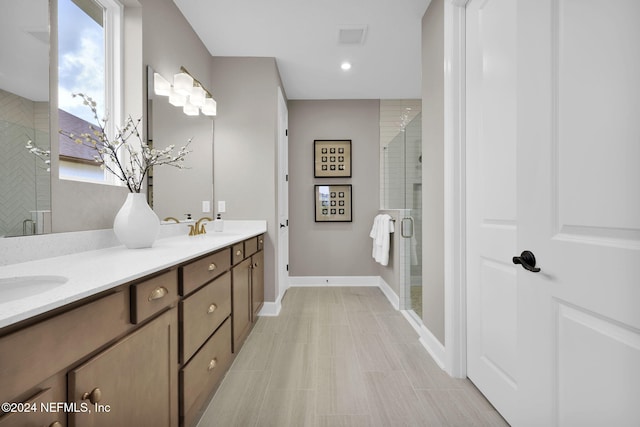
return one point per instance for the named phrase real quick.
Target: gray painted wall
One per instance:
(169, 42)
(333, 249)
(433, 168)
(245, 146)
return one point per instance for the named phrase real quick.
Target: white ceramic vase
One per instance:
(136, 225)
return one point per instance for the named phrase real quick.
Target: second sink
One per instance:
(14, 288)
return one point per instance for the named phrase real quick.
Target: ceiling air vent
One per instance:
(352, 34)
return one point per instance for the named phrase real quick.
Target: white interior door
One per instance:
(579, 207)
(283, 195)
(553, 143)
(492, 220)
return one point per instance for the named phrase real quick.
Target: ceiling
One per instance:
(24, 61)
(303, 36)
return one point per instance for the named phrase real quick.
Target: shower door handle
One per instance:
(403, 228)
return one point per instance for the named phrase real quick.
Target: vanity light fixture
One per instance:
(190, 109)
(197, 96)
(210, 107)
(183, 83)
(186, 92)
(177, 99)
(161, 86)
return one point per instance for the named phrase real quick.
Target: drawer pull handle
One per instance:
(238, 252)
(55, 424)
(212, 267)
(261, 241)
(94, 397)
(158, 293)
(212, 364)
(211, 308)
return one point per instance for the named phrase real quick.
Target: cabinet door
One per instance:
(241, 302)
(132, 383)
(257, 283)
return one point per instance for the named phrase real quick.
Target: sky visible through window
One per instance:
(81, 60)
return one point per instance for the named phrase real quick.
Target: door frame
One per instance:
(283, 171)
(455, 196)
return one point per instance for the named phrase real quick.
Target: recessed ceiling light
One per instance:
(346, 66)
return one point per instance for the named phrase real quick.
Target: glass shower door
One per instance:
(403, 190)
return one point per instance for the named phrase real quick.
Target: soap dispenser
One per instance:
(218, 224)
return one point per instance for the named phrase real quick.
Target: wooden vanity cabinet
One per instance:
(147, 353)
(52, 390)
(200, 377)
(202, 313)
(257, 283)
(132, 383)
(196, 273)
(31, 355)
(241, 303)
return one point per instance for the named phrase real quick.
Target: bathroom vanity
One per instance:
(133, 337)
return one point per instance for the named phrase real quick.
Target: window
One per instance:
(89, 62)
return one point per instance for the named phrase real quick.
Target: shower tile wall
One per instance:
(24, 182)
(395, 115)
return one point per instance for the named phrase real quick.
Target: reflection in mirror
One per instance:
(25, 183)
(178, 192)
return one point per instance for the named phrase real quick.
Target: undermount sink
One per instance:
(13, 288)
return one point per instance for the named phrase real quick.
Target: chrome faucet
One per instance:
(197, 229)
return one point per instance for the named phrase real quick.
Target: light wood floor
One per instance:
(341, 357)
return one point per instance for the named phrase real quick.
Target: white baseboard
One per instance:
(389, 293)
(271, 308)
(427, 339)
(302, 281)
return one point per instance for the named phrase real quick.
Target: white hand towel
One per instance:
(374, 235)
(382, 227)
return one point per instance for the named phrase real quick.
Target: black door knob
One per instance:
(527, 260)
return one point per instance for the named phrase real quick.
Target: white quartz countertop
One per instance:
(91, 272)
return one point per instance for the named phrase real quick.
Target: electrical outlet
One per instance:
(206, 206)
(222, 206)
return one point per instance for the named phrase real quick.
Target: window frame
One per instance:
(113, 30)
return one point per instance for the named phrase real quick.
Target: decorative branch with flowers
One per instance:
(138, 159)
(44, 155)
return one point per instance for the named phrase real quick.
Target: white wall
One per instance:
(433, 168)
(323, 248)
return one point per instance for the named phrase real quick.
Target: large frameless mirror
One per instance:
(25, 178)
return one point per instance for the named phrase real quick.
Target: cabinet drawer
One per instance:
(203, 270)
(250, 246)
(261, 242)
(152, 295)
(30, 355)
(203, 312)
(238, 252)
(202, 374)
(34, 414)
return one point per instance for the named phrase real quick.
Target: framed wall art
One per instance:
(332, 158)
(333, 203)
